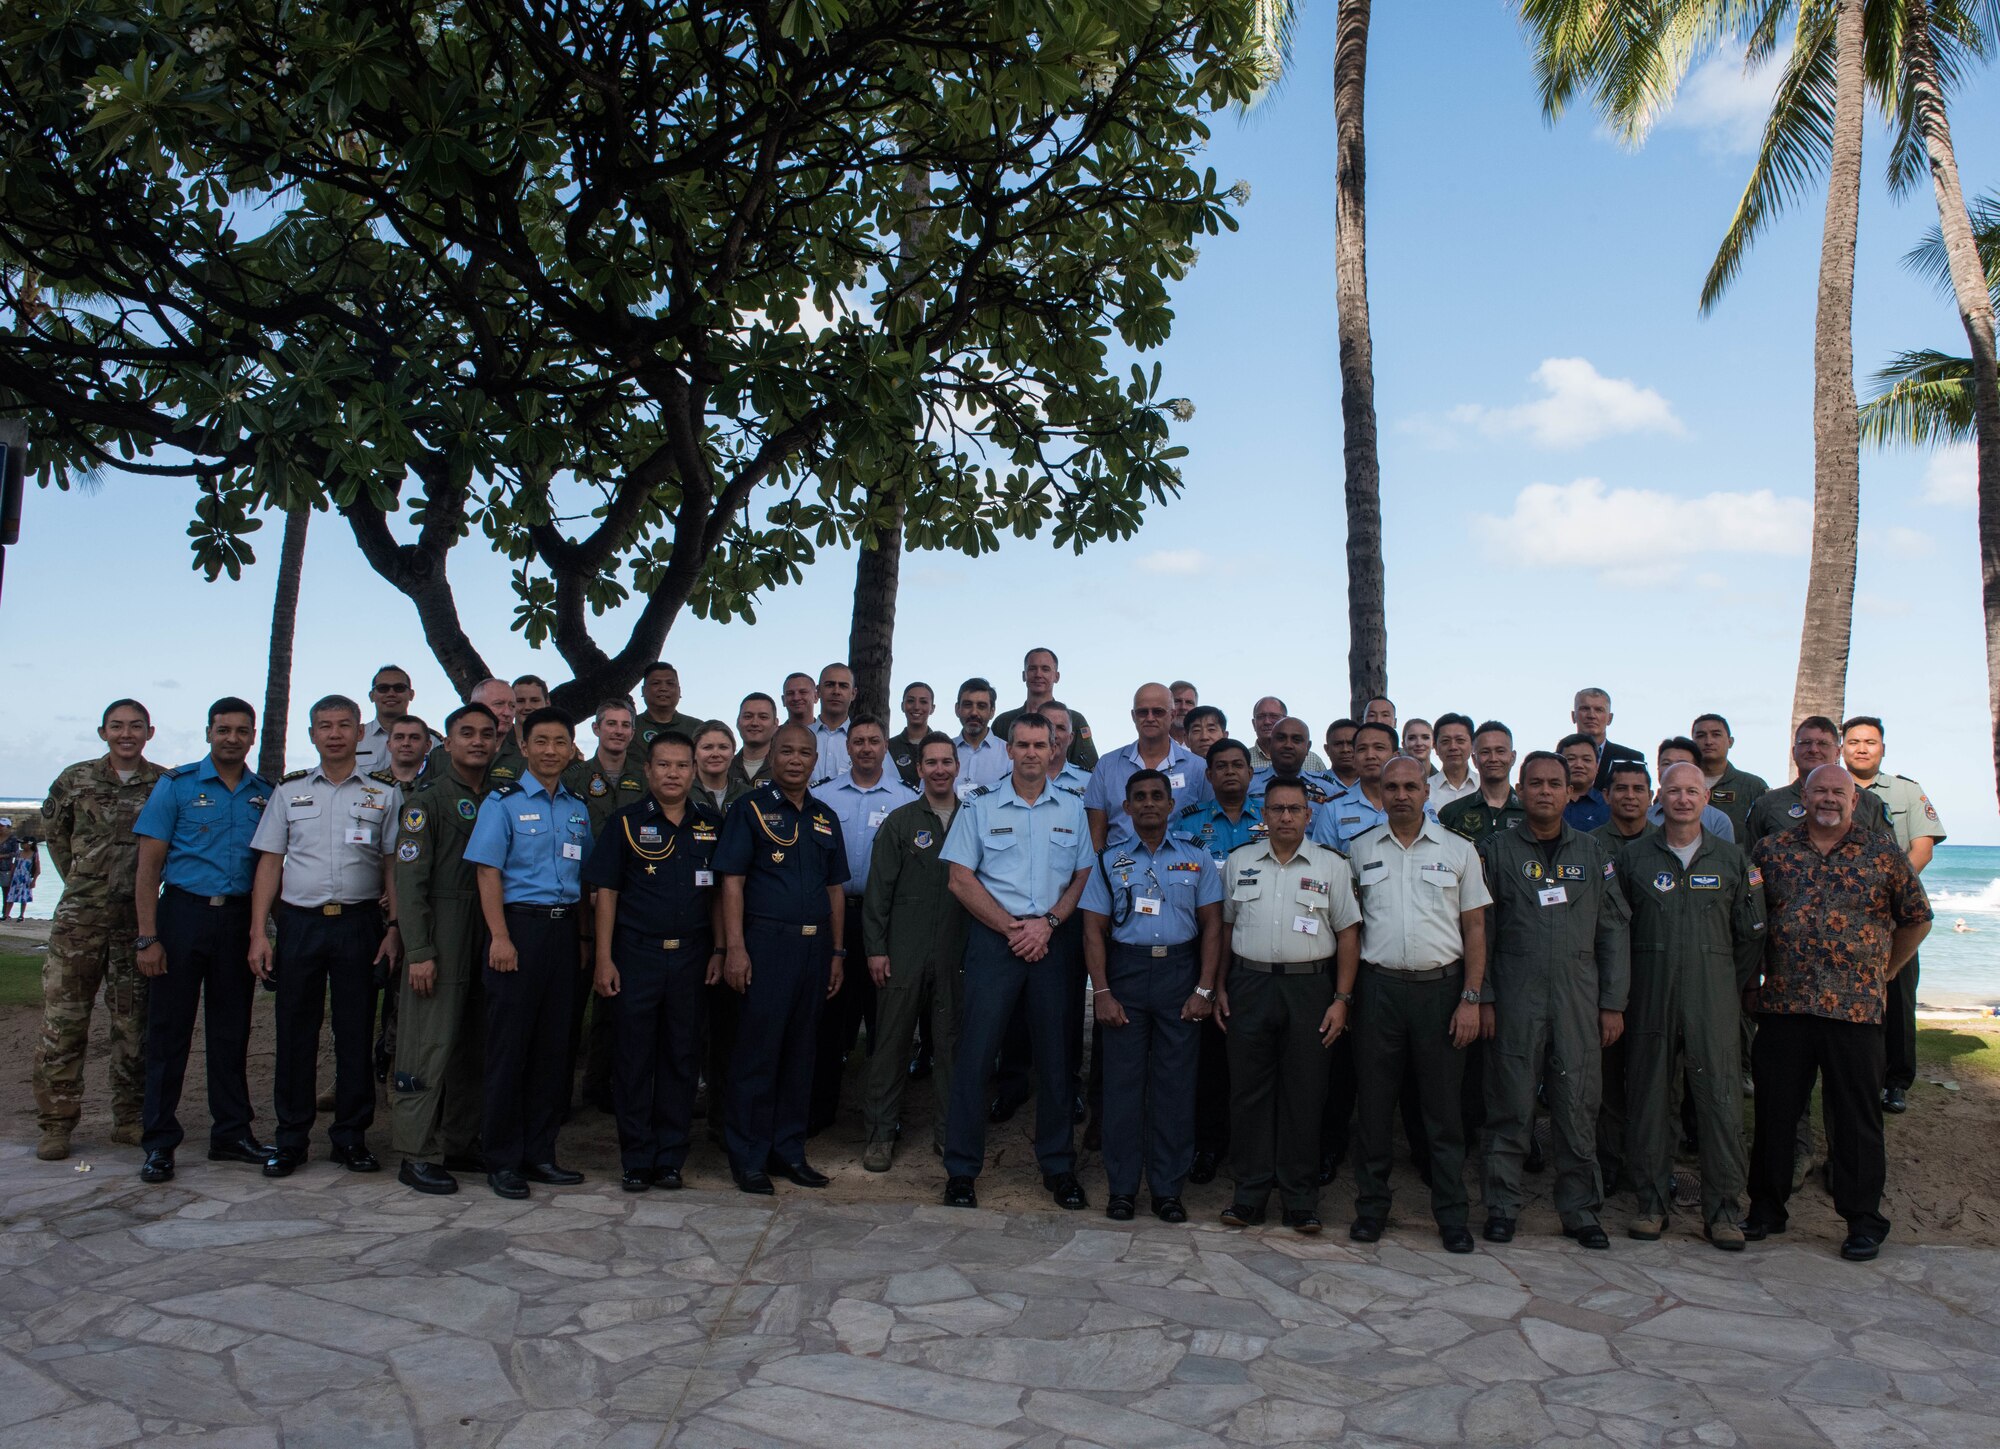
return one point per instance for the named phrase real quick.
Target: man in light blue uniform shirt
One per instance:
(1159, 899)
(836, 697)
(1062, 726)
(1155, 749)
(860, 798)
(982, 755)
(529, 843)
(1290, 747)
(1019, 856)
(194, 938)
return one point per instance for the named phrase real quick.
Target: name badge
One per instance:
(1178, 779)
(1705, 882)
(876, 817)
(359, 835)
(572, 851)
(1306, 925)
(1553, 896)
(1373, 870)
(1146, 906)
(529, 819)
(704, 877)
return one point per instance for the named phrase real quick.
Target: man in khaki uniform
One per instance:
(88, 816)
(1295, 935)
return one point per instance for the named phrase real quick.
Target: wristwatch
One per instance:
(140, 943)
(1344, 996)
(1054, 920)
(1469, 996)
(1206, 993)
(840, 950)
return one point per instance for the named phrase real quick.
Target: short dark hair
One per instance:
(230, 704)
(1389, 730)
(1576, 739)
(1535, 757)
(795, 674)
(534, 679)
(1145, 777)
(673, 738)
(144, 713)
(1223, 745)
(1205, 711)
(1819, 722)
(976, 685)
(1343, 723)
(1718, 719)
(1868, 721)
(755, 698)
(1041, 649)
(1452, 718)
(1631, 767)
(1373, 697)
(919, 684)
(826, 669)
(1493, 727)
(1058, 704)
(332, 704)
(1679, 742)
(856, 721)
(618, 702)
(548, 714)
(376, 678)
(655, 667)
(1284, 782)
(936, 737)
(410, 719)
(1033, 717)
(451, 720)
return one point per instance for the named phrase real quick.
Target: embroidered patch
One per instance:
(408, 850)
(1705, 882)
(467, 810)
(1664, 881)
(413, 819)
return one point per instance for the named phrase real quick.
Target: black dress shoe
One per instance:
(1860, 1247)
(242, 1149)
(1894, 1100)
(636, 1179)
(1302, 1220)
(1066, 1190)
(463, 1162)
(668, 1178)
(799, 1174)
(507, 1183)
(1121, 1207)
(1242, 1215)
(754, 1183)
(1499, 1229)
(1590, 1235)
(356, 1159)
(1003, 1109)
(284, 1161)
(426, 1177)
(958, 1192)
(1755, 1230)
(1203, 1170)
(551, 1174)
(1456, 1240)
(1366, 1230)
(158, 1167)
(1169, 1210)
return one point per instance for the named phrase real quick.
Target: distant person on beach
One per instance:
(21, 877)
(10, 855)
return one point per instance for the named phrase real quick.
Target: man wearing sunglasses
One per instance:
(391, 693)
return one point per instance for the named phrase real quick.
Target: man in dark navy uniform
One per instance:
(783, 865)
(657, 946)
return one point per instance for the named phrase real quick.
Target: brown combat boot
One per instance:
(54, 1146)
(125, 1134)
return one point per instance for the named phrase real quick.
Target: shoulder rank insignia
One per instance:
(509, 787)
(295, 775)
(386, 776)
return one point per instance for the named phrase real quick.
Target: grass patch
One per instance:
(20, 980)
(1959, 1051)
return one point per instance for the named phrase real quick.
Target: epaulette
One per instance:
(1384, 825)
(1070, 790)
(512, 787)
(978, 790)
(1189, 810)
(387, 777)
(295, 775)
(176, 772)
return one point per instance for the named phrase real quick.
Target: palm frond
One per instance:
(1798, 140)
(1928, 260)
(1925, 401)
(1274, 28)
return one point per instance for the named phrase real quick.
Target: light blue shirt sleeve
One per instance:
(961, 843)
(488, 844)
(1209, 891)
(1097, 794)
(161, 811)
(1096, 895)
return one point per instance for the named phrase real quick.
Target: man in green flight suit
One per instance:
(1560, 970)
(1493, 807)
(1815, 742)
(1730, 790)
(436, 1109)
(1697, 943)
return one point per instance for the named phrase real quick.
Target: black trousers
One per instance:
(840, 1023)
(208, 956)
(771, 1068)
(1899, 1028)
(1149, 1069)
(1402, 1029)
(1848, 1057)
(321, 956)
(1014, 1074)
(996, 983)
(656, 1030)
(1211, 1091)
(527, 1039)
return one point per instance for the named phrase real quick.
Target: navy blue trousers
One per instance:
(208, 955)
(656, 1033)
(771, 1066)
(1150, 1069)
(527, 1041)
(995, 979)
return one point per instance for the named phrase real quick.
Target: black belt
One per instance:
(547, 913)
(333, 908)
(793, 928)
(1286, 968)
(216, 902)
(1429, 973)
(1156, 953)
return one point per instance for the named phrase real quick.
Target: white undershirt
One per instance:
(1685, 852)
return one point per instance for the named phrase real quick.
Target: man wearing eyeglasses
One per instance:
(391, 693)
(1155, 749)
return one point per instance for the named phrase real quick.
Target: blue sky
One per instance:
(1584, 481)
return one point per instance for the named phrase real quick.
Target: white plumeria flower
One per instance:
(1182, 408)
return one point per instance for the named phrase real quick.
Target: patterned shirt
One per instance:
(1831, 917)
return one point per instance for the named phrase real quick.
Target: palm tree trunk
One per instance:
(1975, 310)
(284, 619)
(1821, 687)
(1367, 615)
(871, 638)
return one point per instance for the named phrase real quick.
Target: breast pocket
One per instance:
(538, 824)
(1246, 890)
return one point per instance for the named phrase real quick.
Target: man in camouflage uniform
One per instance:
(89, 816)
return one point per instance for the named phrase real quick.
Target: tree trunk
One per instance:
(284, 621)
(871, 638)
(1821, 687)
(1367, 613)
(1975, 310)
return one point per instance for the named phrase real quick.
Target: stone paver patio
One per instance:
(344, 1312)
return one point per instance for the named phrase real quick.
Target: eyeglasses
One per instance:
(392, 689)
(1149, 713)
(1287, 809)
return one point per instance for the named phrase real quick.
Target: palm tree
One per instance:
(1632, 58)
(1367, 609)
(284, 620)
(1924, 397)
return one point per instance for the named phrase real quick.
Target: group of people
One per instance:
(1280, 952)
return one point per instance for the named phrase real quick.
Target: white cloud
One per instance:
(1725, 105)
(1580, 406)
(1174, 562)
(1952, 478)
(1637, 537)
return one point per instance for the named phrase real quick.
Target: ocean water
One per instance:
(1963, 881)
